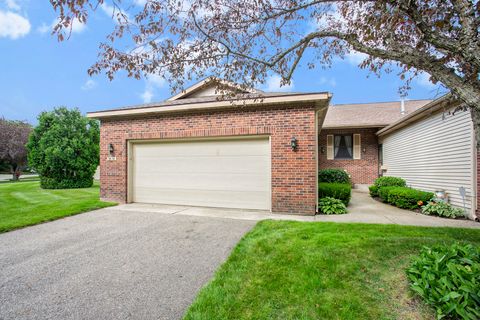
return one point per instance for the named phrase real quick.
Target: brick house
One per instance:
(250, 149)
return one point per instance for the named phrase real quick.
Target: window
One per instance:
(343, 146)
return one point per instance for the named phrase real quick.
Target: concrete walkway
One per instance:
(362, 209)
(7, 177)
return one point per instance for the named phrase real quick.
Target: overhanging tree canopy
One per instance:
(243, 40)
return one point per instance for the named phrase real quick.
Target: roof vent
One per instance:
(402, 107)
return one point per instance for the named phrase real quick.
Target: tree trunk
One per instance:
(16, 172)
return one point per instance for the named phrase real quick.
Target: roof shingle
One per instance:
(372, 115)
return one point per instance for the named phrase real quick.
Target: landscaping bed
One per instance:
(24, 203)
(334, 191)
(296, 270)
(394, 191)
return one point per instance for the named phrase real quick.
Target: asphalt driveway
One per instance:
(112, 264)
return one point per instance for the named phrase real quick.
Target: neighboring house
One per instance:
(348, 138)
(258, 150)
(434, 149)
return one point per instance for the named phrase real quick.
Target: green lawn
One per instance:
(24, 203)
(297, 270)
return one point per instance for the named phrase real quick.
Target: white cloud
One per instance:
(44, 28)
(423, 79)
(89, 85)
(273, 84)
(113, 12)
(147, 96)
(156, 80)
(13, 25)
(355, 57)
(12, 5)
(328, 81)
(108, 9)
(152, 82)
(140, 2)
(76, 27)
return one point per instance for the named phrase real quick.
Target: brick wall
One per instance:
(293, 173)
(362, 171)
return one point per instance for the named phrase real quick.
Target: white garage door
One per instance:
(213, 173)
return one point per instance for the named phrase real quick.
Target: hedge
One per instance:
(389, 182)
(383, 193)
(54, 183)
(386, 181)
(408, 198)
(373, 191)
(340, 191)
(403, 197)
(333, 176)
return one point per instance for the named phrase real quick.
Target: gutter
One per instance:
(319, 99)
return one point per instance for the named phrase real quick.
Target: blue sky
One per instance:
(38, 73)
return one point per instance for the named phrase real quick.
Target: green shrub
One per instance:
(448, 279)
(64, 149)
(383, 193)
(373, 190)
(390, 182)
(442, 209)
(333, 176)
(340, 191)
(407, 198)
(330, 205)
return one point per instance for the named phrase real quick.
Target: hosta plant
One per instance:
(330, 205)
(442, 209)
(448, 279)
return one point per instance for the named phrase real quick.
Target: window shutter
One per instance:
(329, 146)
(357, 146)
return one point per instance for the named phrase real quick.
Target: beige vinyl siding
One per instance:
(434, 153)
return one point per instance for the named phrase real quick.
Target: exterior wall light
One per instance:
(322, 150)
(364, 150)
(111, 149)
(294, 144)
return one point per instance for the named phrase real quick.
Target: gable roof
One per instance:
(209, 87)
(369, 115)
(319, 99)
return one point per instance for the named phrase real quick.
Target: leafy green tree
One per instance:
(64, 149)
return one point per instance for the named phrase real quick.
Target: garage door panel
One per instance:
(224, 173)
(207, 198)
(205, 148)
(241, 181)
(208, 164)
